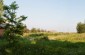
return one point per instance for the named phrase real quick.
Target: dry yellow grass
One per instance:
(69, 37)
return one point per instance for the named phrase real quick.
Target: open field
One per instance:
(55, 44)
(69, 37)
(50, 27)
(72, 37)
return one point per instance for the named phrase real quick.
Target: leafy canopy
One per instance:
(81, 27)
(14, 25)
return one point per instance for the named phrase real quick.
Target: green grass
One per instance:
(60, 44)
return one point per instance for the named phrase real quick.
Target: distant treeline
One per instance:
(34, 30)
(80, 29)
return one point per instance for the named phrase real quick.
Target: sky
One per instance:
(54, 15)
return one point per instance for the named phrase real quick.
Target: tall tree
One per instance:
(14, 25)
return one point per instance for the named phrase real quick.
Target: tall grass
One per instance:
(60, 44)
(69, 37)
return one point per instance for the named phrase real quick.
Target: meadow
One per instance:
(45, 44)
(39, 41)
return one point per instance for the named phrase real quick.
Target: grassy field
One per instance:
(69, 37)
(45, 44)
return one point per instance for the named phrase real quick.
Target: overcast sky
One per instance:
(58, 15)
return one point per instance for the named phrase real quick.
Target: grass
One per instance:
(69, 37)
(59, 44)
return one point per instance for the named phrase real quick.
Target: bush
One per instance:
(37, 36)
(81, 27)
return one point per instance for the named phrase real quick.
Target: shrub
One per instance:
(37, 36)
(81, 27)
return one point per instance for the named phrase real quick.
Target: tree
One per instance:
(33, 30)
(1, 7)
(26, 30)
(1, 12)
(81, 27)
(14, 25)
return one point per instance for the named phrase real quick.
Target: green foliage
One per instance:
(1, 7)
(14, 25)
(34, 30)
(2, 21)
(1, 12)
(51, 47)
(81, 27)
(44, 47)
(37, 37)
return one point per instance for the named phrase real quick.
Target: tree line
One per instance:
(34, 30)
